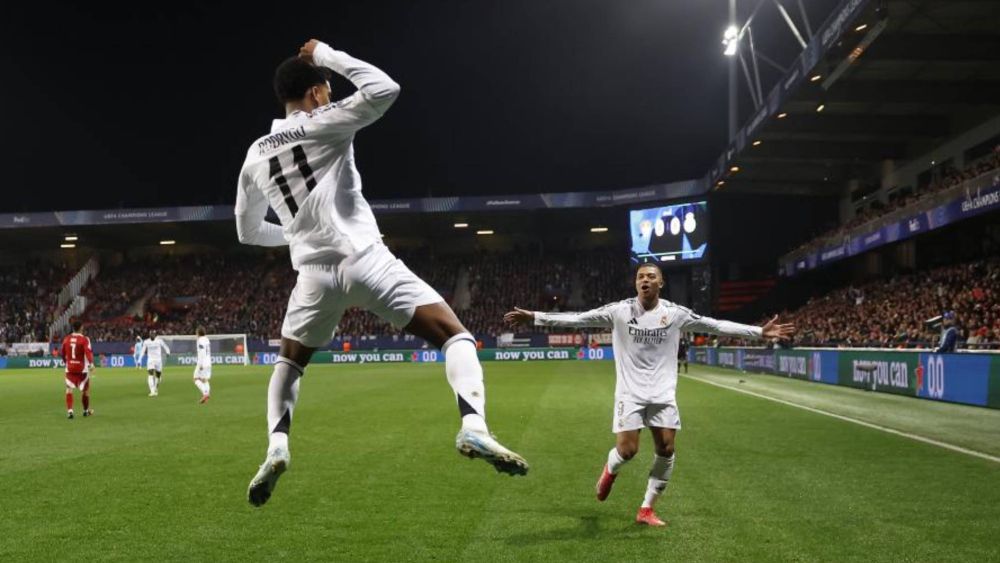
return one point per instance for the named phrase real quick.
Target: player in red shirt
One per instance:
(79, 358)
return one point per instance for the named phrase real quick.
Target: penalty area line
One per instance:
(885, 429)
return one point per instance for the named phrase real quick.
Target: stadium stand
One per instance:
(903, 311)
(28, 301)
(174, 295)
(908, 199)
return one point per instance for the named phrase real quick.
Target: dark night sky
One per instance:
(156, 105)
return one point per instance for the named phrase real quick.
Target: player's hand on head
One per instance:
(519, 316)
(306, 51)
(772, 329)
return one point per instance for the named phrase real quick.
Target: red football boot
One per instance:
(604, 483)
(204, 399)
(648, 517)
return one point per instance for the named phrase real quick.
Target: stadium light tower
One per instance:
(744, 55)
(730, 40)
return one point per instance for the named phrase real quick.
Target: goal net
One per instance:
(228, 349)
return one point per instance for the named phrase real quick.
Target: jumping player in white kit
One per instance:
(203, 369)
(304, 170)
(646, 331)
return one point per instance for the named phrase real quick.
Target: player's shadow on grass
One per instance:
(588, 527)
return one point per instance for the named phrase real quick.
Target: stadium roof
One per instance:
(554, 225)
(897, 79)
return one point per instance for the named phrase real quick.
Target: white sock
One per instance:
(282, 393)
(151, 380)
(199, 385)
(207, 386)
(659, 477)
(156, 383)
(615, 461)
(465, 375)
(277, 440)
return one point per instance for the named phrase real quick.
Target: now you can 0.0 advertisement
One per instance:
(967, 378)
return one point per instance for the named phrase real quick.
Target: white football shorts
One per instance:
(203, 372)
(155, 365)
(373, 280)
(633, 416)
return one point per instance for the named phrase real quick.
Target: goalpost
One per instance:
(228, 349)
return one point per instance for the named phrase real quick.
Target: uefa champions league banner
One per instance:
(972, 379)
(117, 216)
(522, 202)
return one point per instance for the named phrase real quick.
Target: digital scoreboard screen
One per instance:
(671, 233)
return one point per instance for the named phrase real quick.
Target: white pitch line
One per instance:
(886, 429)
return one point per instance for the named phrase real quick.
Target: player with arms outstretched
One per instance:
(646, 331)
(79, 359)
(203, 369)
(155, 350)
(304, 169)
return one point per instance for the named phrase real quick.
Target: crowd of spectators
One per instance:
(28, 301)
(950, 178)
(249, 293)
(499, 281)
(905, 311)
(224, 293)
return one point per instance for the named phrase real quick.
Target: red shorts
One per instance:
(79, 381)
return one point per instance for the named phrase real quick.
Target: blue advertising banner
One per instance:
(811, 365)
(758, 360)
(958, 378)
(967, 378)
(599, 353)
(728, 357)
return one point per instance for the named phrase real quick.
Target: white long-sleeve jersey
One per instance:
(155, 349)
(645, 343)
(204, 352)
(304, 169)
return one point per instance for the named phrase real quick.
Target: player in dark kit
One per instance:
(682, 353)
(79, 359)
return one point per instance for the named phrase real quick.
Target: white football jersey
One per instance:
(155, 349)
(304, 169)
(645, 343)
(204, 351)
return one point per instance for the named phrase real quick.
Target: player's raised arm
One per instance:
(251, 208)
(376, 91)
(601, 317)
(771, 330)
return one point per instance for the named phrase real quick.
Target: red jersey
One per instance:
(77, 354)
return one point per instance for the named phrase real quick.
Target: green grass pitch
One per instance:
(375, 477)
